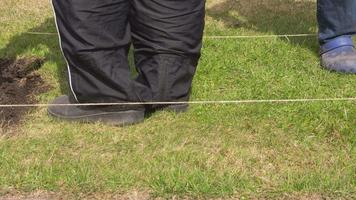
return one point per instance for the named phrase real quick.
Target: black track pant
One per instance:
(96, 36)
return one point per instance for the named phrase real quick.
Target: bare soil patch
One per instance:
(19, 84)
(145, 195)
(43, 195)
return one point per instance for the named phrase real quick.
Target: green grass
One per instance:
(255, 150)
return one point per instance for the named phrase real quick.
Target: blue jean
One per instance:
(336, 18)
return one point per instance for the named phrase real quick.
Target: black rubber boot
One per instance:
(177, 108)
(113, 115)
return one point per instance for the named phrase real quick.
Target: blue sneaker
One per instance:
(339, 55)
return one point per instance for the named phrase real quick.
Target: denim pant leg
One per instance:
(336, 18)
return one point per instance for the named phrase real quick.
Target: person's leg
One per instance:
(337, 23)
(336, 18)
(167, 37)
(95, 38)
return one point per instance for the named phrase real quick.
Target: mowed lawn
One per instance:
(285, 150)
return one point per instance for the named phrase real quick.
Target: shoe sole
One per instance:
(181, 108)
(340, 70)
(121, 118)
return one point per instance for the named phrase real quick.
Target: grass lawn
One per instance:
(294, 150)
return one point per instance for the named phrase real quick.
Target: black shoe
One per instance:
(177, 108)
(114, 115)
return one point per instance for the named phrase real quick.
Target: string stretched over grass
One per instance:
(187, 102)
(219, 37)
(198, 102)
(259, 36)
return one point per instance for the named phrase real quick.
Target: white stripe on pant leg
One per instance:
(60, 45)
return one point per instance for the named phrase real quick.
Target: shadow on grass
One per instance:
(46, 44)
(271, 17)
(25, 42)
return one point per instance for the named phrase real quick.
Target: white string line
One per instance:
(219, 37)
(40, 33)
(186, 102)
(195, 102)
(258, 36)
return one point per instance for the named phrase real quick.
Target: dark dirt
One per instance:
(19, 84)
